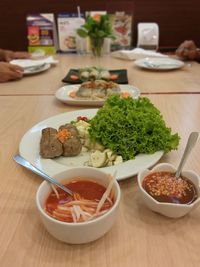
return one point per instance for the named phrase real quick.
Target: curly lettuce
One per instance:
(132, 126)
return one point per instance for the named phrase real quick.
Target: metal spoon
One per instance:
(20, 160)
(190, 144)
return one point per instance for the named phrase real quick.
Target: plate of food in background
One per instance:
(94, 93)
(120, 137)
(77, 76)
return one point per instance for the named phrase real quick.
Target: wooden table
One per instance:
(182, 80)
(139, 238)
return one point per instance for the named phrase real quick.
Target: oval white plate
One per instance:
(159, 63)
(29, 149)
(62, 94)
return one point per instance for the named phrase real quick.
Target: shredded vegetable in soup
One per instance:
(89, 201)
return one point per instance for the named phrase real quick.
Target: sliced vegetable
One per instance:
(125, 94)
(74, 77)
(114, 77)
(72, 94)
(82, 118)
(118, 160)
(63, 134)
(98, 159)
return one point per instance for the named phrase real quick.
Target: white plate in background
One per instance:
(62, 94)
(159, 63)
(24, 63)
(30, 146)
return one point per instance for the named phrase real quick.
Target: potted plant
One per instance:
(97, 28)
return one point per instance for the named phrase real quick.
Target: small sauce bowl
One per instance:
(172, 210)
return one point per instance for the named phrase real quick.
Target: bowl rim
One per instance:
(140, 179)
(73, 224)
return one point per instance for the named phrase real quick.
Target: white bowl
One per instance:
(169, 209)
(84, 232)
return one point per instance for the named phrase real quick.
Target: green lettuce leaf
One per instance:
(132, 126)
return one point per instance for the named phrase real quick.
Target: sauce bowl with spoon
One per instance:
(169, 190)
(76, 232)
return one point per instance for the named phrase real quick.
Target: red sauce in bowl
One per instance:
(165, 187)
(63, 207)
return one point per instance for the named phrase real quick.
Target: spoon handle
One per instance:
(20, 160)
(190, 144)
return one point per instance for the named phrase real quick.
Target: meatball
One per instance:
(72, 146)
(71, 128)
(50, 146)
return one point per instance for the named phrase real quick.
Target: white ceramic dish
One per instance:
(169, 209)
(62, 94)
(37, 69)
(78, 233)
(159, 63)
(29, 149)
(24, 63)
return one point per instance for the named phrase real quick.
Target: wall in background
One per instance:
(178, 19)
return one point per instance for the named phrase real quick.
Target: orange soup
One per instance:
(86, 204)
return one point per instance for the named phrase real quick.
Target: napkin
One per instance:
(136, 53)
(29, 63)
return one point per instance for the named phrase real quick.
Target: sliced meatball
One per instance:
(71, 128)
(50, 146)
(72, 146)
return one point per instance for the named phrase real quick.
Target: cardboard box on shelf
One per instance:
(68, 23)
(42, 35)
(122, 29)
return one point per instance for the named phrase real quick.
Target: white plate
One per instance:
(29, 149)
(38, 69)
(62, 94)
(24, 63)
(159, 63)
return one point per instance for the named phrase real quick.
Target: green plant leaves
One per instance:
(96, 28)
(82, 33)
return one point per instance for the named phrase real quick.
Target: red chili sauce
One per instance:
(165, 187)
(88, 190)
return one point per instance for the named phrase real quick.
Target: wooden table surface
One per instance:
(181, 80)
(140, 237)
